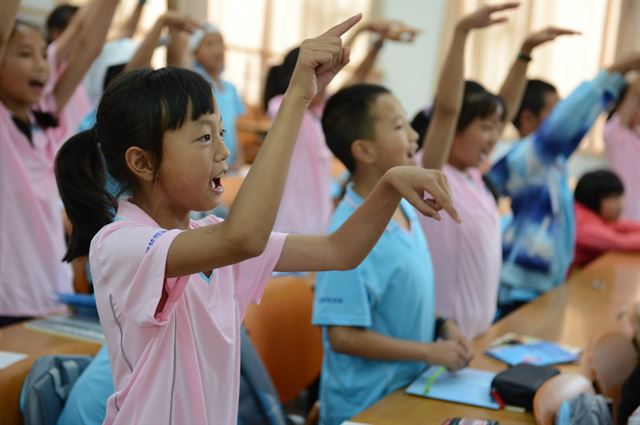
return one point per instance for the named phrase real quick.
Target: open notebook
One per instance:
(466, 386)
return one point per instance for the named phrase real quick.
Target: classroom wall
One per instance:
(410, 70)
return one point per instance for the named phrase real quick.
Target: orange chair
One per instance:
(612, 358)
(556, 390)
(281, 331)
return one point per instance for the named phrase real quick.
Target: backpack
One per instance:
(47, 386)
(585, 409)
(259, 400)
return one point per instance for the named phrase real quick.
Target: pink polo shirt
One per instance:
(306, 204)
(180, 364)
(623, 150)
(31, 230)
(467, 257)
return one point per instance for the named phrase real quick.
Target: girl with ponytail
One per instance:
(171, 292)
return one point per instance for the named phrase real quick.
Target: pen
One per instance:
(432, 379)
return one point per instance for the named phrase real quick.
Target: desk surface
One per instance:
(573, 314)
(19, 339)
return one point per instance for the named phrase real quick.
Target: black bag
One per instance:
(517, 385)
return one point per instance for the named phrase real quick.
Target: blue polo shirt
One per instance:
(391, 292)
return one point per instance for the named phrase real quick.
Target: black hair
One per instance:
(477, 102)
(135, 110)
(59, 18)
(593, 187)
(623, 94)
(347, 117)
(533, 98)
(279, 76)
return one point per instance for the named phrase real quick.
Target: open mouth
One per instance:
(215, 184)
(37, 84)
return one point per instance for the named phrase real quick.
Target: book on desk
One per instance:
(466, 386)
(82, 324)
(513, 349)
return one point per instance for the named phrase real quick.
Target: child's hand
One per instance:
(320, 59)
(392, 29)
(175, 20)
(450, 354)
(483, 17)
(541, 37)
(412, 183)
(451, 332)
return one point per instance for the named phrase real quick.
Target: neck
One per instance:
(165, 215)
(458, 165)
(365, 179)
(17, 109)
(215, 76)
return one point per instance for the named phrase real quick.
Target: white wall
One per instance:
(410, 70)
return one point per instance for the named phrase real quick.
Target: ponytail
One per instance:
(81, 176)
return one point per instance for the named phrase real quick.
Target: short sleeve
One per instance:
(341, 299)
(252, 275)
(239, 104)
(128, 262)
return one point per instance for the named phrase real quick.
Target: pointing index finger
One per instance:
(344, 26)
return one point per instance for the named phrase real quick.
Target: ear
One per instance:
(364, 151)
(140, 163)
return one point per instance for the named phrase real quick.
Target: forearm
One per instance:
(571, 118)
(364, 69)
(513, 87)
(129, 28)
(142, 57)
(264, 184)
(346, 247)
(360, 342)
(92, 38)
(448, 102)
(8, 12)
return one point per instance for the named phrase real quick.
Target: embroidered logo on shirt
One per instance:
(154, 238)
(330, 300)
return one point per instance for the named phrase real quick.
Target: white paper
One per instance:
(7, 358)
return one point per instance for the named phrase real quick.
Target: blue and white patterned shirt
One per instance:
(538, 244)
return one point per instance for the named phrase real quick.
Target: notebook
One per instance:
(73, 327)
(514, 349)
(466, 386)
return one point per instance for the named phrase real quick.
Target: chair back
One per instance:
(612, 358)
(281, 331)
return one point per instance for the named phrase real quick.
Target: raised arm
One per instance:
(171, 19)
(385, 30)
(346, 247)
(69, 40)
(129, 28)
(91, 39)
(8, 12)
(569, 121)
(514, 85)
(246, 231)
(448, 101)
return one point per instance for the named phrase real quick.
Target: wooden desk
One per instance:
(573, 314)
(19, 339)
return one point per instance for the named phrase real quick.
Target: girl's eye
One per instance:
(222, 133)
(24, 54)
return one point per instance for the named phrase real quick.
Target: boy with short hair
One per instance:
(380, 328)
